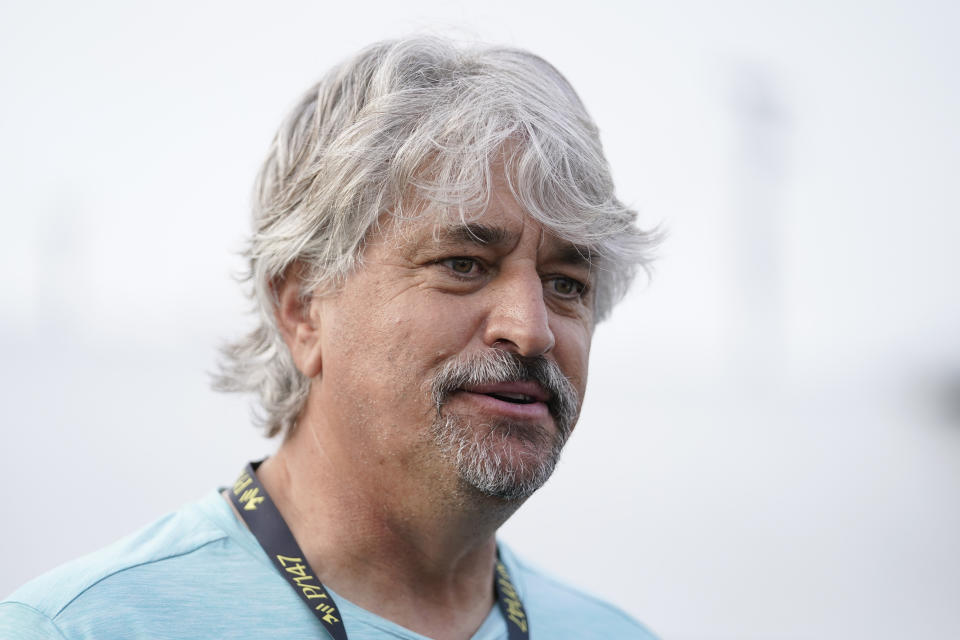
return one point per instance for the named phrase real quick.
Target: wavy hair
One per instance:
(413, 125)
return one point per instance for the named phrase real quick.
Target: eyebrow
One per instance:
(574, 254)
(474, 233)
(483, 235)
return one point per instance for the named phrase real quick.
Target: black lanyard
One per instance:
(265, 522)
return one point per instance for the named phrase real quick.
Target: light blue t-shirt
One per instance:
(199, 573)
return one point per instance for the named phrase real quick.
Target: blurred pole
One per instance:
(756, 305)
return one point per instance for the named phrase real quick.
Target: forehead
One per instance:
(500, 225)
(495, 230)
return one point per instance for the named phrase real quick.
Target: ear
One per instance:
(298, 319)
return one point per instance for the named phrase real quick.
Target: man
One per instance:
(435, 238)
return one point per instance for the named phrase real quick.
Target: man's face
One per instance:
(459, 347)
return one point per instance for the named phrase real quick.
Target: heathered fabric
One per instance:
(199, 573)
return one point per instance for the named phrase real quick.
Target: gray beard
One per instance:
(504, 459)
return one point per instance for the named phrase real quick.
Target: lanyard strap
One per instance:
(273, 534)
(265, 522)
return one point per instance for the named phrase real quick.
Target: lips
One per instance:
(525, 400)
(524, 392)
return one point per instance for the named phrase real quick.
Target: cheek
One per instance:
(409, 346)
(438, 325)
(572, 352)
(416, 346)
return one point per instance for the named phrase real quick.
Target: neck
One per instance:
(393, 542)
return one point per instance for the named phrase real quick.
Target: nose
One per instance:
(518, 320)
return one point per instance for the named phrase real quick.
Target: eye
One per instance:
(462, 266)
(566, 287)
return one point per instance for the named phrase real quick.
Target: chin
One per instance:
(501, 459)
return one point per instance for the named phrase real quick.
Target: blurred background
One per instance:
(770, 446)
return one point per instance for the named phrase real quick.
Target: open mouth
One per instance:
(515, 398)
(521, 393)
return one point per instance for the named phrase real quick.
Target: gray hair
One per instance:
(403, 124)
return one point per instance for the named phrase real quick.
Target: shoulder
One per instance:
(558, 610)
(175, 535)
(121, 576)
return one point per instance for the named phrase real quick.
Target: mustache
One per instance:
(496, 365)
